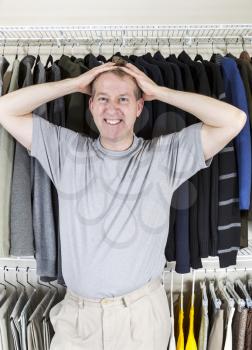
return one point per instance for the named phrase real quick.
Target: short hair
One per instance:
(137, 91)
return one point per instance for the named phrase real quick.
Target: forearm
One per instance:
(27, 99)
(209, 110)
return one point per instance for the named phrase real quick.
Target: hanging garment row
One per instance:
(210, 211)
(25, 313)
(216, 315)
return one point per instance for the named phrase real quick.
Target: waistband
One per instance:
(125, 299)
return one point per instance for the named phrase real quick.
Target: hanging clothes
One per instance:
(6, 160)
(239, 328)
(172, 340)
(228, 343)
(180, 342)
(22, 243)
(6, 340)
(197, 227)
(236, 95)
(216, 336)
(203, 333)
(42, 205)
(191, 342)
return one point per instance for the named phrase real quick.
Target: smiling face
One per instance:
(114, 101)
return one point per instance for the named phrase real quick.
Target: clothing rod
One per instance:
(128, 28)
(52, 44)
(19, 268)
(125, 32)
(162, 40)
(205, 270)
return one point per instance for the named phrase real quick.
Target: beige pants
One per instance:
(139, 320)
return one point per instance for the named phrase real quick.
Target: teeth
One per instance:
(113, 122)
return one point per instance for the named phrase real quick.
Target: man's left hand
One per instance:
(147, 85)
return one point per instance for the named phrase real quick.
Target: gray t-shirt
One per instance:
(114, 206)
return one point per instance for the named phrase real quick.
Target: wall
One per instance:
(28, 12)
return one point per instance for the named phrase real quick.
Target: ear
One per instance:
(90, 103)
(140, 105)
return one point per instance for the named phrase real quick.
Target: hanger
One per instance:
(212, 46)
(225, 295)
(244, 54)
(250, 286)
(16, 56)
(38, 56)
(53, 286)
(243, 290)
(162, 277)
(204, 293)
(34, 288)
(28, 49)
(239, 301)
(12, 285)
(24, 288)
(182, 293)
(169, 44)
(198, 57)
(4, 47)
(5, 287)
(226, 47)
(50, 58)
(42, 284)
(193, 288)
(171, 295)
(215, 300)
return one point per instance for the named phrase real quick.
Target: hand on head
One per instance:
(84, 80)
(147, 85)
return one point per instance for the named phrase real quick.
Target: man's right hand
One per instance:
(84, 80)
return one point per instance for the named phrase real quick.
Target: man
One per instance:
(114, 198)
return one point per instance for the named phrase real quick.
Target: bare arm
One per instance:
(16, 107)
(222, 121)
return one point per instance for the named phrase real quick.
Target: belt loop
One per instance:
(124, 299)
(163, 277)
(81, 303)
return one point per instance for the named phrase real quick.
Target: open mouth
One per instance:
(113, 122)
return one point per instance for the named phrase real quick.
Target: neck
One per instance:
(117, 145)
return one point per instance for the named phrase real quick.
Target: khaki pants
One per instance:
(139, 320)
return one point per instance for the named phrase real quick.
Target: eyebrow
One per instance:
(104, 93)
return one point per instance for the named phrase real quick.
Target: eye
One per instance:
(102, 99)
(124, 99)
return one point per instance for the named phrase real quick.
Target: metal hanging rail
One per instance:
(127, 34)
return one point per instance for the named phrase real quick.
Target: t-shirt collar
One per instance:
(113, 153)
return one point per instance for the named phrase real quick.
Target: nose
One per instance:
(112, 109)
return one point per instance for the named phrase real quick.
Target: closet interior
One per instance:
(206, 286)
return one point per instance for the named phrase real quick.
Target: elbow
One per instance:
(243, 117)
(240, 121)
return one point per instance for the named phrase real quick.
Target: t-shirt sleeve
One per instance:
(181, 154)
(50, 146)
